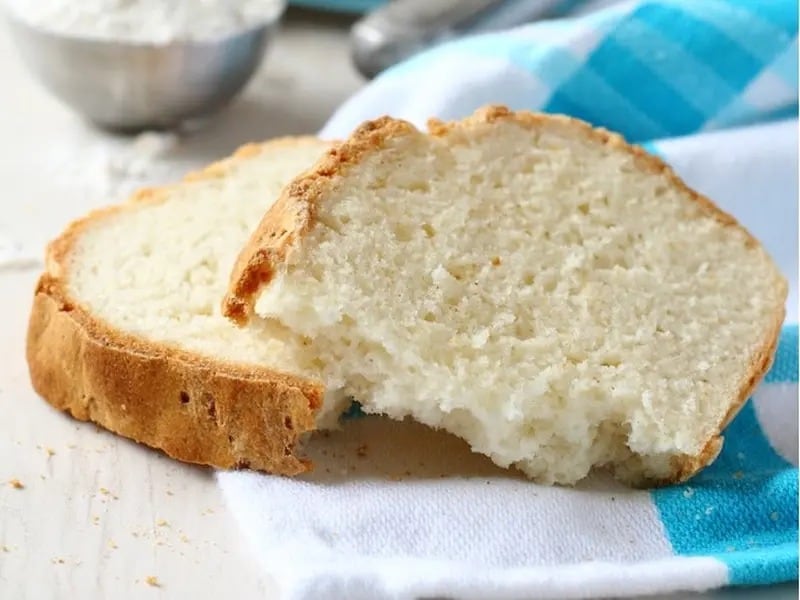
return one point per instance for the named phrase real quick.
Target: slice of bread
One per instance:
(553, 295)
(126, 329)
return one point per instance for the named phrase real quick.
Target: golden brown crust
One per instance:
(293, 215)
(283, 225)
(686, 466)
(194, 408)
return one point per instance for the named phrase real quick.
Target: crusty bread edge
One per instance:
(292, 216)
(193, 408)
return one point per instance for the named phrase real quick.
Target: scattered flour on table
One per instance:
(14, 256)
(141, 156)
(96, 171)
(110, 169)
(146, 21)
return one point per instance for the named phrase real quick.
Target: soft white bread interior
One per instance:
(556, 297)
(126, 328)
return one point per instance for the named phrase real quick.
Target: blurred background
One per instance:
(61, 69)
(103, 97)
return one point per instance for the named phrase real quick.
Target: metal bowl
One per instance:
(131, 86)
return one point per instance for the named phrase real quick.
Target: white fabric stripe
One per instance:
(502, 523)
(479, 81)
(776, 409)
(769, 90)
(368, 581)
(581, 543)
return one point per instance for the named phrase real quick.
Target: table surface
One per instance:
(99, 515)
(94, 515)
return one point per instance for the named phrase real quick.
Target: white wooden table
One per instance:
(99, 515)
(96, 516)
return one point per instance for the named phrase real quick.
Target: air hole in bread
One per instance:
(417, 186)
(211, 405)
(402, 233)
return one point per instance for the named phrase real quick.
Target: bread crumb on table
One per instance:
(152, 581)
(361, 451)
(5, 548)
(16, 484)
(162, 523)
(107, 492)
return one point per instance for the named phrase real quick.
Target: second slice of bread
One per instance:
(556, 297)
(126, 329)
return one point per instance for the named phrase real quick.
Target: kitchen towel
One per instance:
(711, 87)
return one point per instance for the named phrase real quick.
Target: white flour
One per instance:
(14, 256)
(146, 21)
(108, 170)
(105, 170)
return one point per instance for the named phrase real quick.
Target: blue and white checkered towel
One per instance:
(711, 86)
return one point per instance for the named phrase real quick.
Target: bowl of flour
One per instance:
(131, 65)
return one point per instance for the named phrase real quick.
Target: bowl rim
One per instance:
(15, 20)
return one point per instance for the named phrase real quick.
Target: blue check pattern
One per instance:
(652, 69)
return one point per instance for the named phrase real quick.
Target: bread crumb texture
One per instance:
(554, 296)
(126, 328)
(160, 271)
